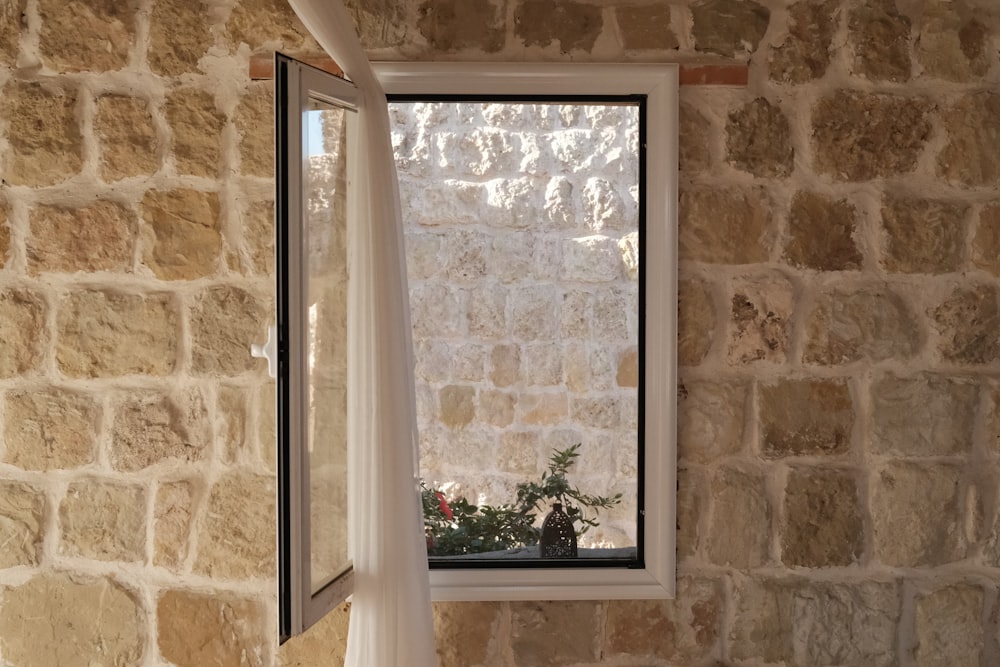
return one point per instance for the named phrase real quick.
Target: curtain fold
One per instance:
(391, 623)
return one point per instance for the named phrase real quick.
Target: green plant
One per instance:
(456, 527)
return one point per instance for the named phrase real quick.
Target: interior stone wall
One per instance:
(840, 332)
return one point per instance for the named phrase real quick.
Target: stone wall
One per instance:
(840, 224)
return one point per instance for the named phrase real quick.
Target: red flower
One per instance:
(444, 506)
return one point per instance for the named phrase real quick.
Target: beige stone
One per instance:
(860, 136)
(924, 415)
(693, 154)
(710, 420)
(61, 619)
(22, 525)
(96, 237)
(179, 35)
(923, 235)
(972, 125)
(23, 329)
(603, 412)
(260, 23)
(804, 54)
(457, 405)
(691, 507)
(725, 225)
(128, 140)
(231, 408)
(254, 120)
(496, 407)
(151, 428)
(90, 35)
(463, 632)
(949, 627)
(106, 334)
(267, 438)
(196, 629)
(880, 38)
(628, 368)
(225, 322)
(10, 32)
(986, 242)
(4, 234)
(258, 237)
(758, 139)
(543, 409)
(242, 549)
(326, 640)
(542, 364)
(455, 25)
(761, 313)
(196, 125)
(853, 623)
(645, 28)
(823, 524)
(486, 313)
(172, 523)
(763, 620)
(574, 25)
(380, 24)
(51, 429)
(46, 146)
(518, 452)
(437, 310)
(696, 321)
(182, 237)
(103, 520)
(952, 43)
(534, 312)
(729, 27)
(535, 624)
(505, 365)
(821, 233)
(968, 323)
(805, 417)
(739, 534)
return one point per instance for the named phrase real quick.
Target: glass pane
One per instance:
(522, 229)
(325, 232)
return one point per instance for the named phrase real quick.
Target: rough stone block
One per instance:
(740, 531)
(880, 38)
(497, 407)
(823, 525)
(50, 429)
(4, 234)
(973, 128)
(464, 632)
(456, 25)
(254, 120)
(534, 625)
(758, 140)
(182, 237)
(92, 238)
(45, 143)
(860, 136)
(195, 628)
(542, 364)
(763, 620)
(805, 417)
(328, 638)
(465, 255)
(710, 420)
(458, 405)
(805, 53)
(23, 330)
(242, 549)
(645, 27)
(105, 334)
(436, 310)
(82, 36)
(103, 520)
(22, 525)
(949, 627)
(696, 321)
(486, 315)
(601, 412)
(986, 243)
(692, 489)
(761, 313)
(968, 323)
(926, 415)
(693, 154)
(923, 235)
(628, 368)
(172, 523)
(233, 420)
(178, 37)
(729, 27)
(543, 409)
(505, 365)
(852, 623)
(197, 131)
(74, 620)
(380, 24)
(224, 322)
(952, 44)
(258, 237)
(534, 312)
(10, 32)
(124, 129)
(575, 25)
(725, 225)
(821, 233)
(150, 428)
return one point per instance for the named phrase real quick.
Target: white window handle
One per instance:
(268, 350)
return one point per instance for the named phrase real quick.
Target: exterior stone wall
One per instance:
(840, 224)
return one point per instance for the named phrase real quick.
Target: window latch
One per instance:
(269, 351)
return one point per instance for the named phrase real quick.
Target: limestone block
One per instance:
(628, 368)
(845, 624)
(106, 334)
(267, 438)
(534, 312)
(518, 452)
(992, 411)
(4, 234)
(823, 520)
(127, 137)
(241, 549)
(542, 364)
(973, 128)
(468, 362)
(821, 233)
(804, 54)
(542, 409)
(328, 638)
(614, 311)
(916, 516)
(758, 139)
(172, 523)
(496, 407)
(986, 242)
(691, 506)
(591, 259)
(763, 620)
(225, 321)
(693, 154)
(464, 632)
(509, 203)
(725, 225)
(805, 417)
(179, 36)
(761, 311)
(268, 24)
(968, 322)
(645, 28)
(86, 36)
(597, 412)
(880, 39)
(182, 237)
(949, 627)
(150, 428)
(23, 329)
(860, 136)
(95, 621)
(46, 146)
(458, 405)
(436, 310)
(925, 415)
(196, 125)
(729, 27)
(480, 152)
(258, 238)
(455, 25)
(574, 25)
(739, 534)
(96, 237)
(433, 360)
(254, 120)
(576, 313)
(555, 633)
(423, 259)
(923, 235)
(696, 322)
(850, 323)
(50, 429)
(561, 208)
(103, 520)
(710, 420)
(952, 43)
(509, 257)
(686, 630)
(22, 525)
(195, 629)
(465, 255)
(10, 33)
(605, 208)
(505, 365)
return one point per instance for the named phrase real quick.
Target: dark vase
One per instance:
(558, 537)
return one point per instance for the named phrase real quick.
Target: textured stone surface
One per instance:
(805, 417)
(968, 323)
(225, 321)
(103, 334)
(46, 146)
(455, 25)
(952, 43)
(60, 619)
(725, 225)
(973, 128)
(851, 323)
(696, 321)
(760, 315)
(740, 530)
(254, 120)
(645, 27)
(23, 331)
(463, 631)
(380, 23)
(534, 624)
(22, 525)
(762, 630)
(693, 154)
(923, 235)
(986, 242)
(50, 429)
(258, 234)
(195, 629)
(230, 549)
(822, 233)
(103, 520)
(150, 428)
(823, 518)
(925, 415)
(859, 136)
(575, 25)
(181, 235)
(758, 139)
(10, 32)
(127, 137)
(692, 489)
(949, 626)
(196, 125)
(4, 234)
(804, 54)
(90, 35)
(880, 38)
(710, 420)
(457, 405)
(233, 419)
(178, 38)
(915, 515)
(845, 624)
(728, 27)
(96, 237)
(327, 640)
(268, 22)
(172, 523)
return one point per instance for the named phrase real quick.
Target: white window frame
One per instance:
(658, 83)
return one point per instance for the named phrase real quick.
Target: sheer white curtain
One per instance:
(391, 624)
